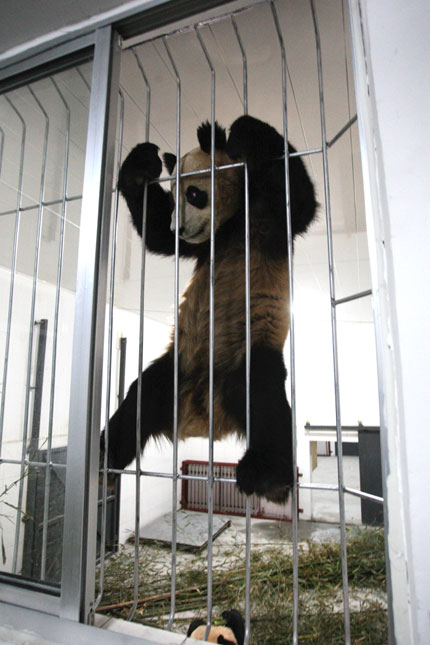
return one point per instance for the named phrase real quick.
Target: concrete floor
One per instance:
(325, 504)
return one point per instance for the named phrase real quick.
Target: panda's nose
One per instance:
(181, 230)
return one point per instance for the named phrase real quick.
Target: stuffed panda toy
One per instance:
(266, 467)
(232, 632)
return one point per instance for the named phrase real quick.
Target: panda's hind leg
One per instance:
(156, 413)
(267, 466)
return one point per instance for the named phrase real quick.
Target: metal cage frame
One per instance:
(76, 600)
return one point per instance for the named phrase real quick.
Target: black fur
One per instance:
(267, 465)
(204, 133)
(234, 620)
(169, 161)
(157, 412)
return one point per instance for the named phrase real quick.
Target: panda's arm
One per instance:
(144, 165)
(263, 147)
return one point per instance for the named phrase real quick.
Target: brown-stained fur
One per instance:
(269, 326)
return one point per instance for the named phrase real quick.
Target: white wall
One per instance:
(396, 34)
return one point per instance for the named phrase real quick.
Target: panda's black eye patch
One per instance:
(196, 197)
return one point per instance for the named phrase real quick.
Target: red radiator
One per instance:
(227, 499)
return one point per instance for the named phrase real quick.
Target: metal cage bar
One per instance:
(210, 484)
(292, 334)
(345, 589)
(175, 331)
(13, 267)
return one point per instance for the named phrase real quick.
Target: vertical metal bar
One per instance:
(55, 331)
(175, 338)
(292, 330)
(211, 337)
(140, 368)
(80, 511)
(31, 328)
(38, 386)
(13, 267)
(248, 348)
(109, 358)
(244, 65)
(248, 409)
(148, 93)
(334, 335)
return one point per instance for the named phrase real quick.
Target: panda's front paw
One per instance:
(143, 163)
(253, 140)
(266, 474)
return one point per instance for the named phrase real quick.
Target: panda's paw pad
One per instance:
(263, 473)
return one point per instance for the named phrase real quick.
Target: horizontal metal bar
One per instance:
(355, 296)
(308, 426)
(333, 487)
(29, 462)
(304, 153)
(350, 491)
(360, 493)
(43, 204)
(238, 164)
(192, 173)
(342, 131)
(148, 473)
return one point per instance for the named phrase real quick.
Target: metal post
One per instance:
(109, 358)
(80, 514)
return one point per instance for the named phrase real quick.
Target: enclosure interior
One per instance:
(314, 364)
(52, 142)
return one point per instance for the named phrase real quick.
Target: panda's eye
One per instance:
(196, 197)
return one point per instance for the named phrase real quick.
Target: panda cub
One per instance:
(266, 467)
(231, 633)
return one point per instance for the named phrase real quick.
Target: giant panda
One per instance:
(266, 467)
(231, 633)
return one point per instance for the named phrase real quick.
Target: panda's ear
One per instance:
(204, 137)
(197, 622)
(169, 161)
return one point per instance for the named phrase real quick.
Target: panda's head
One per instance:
(195, 191)
(232, 632)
